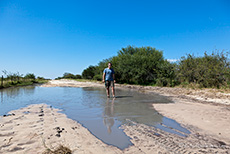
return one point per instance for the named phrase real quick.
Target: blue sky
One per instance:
(49, 38)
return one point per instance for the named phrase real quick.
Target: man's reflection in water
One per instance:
(1, 96)
(108, 115)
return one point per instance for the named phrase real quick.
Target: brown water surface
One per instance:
(90, 107)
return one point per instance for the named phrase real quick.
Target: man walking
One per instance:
(109, 79)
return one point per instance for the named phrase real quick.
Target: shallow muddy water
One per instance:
(91, 108)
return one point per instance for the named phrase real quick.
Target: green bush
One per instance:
(77, 76)
(68, 76)
(89, 72)
(134, 65)
(40, 78)
(207, 71)
(138, 65)
(29, 76)
(147, 66)
(98, 77)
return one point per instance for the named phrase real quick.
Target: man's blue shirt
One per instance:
(109, 74)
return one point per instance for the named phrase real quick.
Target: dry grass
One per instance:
(60, 150)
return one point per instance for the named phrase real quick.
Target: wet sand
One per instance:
(211, 120)
(37, 127)
(34, 128)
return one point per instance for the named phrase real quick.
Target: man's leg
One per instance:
(113, 90)
(107, 89)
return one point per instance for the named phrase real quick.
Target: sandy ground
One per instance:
(206, 114)
(35, 128)
(207, 119)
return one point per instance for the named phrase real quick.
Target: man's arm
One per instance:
(114, 78)
(103, 77)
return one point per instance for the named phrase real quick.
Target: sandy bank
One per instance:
(35, 128)
(205, 112)
(206, 119)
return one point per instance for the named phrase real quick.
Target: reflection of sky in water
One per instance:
(91, 108)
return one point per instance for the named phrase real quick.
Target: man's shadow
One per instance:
(122, 96)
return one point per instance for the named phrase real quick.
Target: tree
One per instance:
(29, 76)
(89, 72)
(68, 76)
(77, 76)
(138, 65)
(208, 71)
(166, 75)
(132, 65)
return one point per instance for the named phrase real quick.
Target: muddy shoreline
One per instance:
(35, 128)
(207, 96)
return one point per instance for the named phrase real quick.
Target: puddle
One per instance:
(91, 108)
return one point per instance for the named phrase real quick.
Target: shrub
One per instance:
(147, 66)
(29, 76)
(77, 76)
(60, 150)
(98, 77)
(68, 76)
(207, 71)
(89, 72)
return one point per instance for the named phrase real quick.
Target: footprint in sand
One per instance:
(8, 134)
(15, 149)
(33, 126)
(6, 145)
(26, 143)
(8, 122)
(19, 118)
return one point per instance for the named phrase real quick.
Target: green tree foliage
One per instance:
(135, 65)
(40, 78)
(16, 79)
(146, 65)
(138, 65)
(29, 76)
(207, 71)
(68, 76)
(89, 72)
(12, 76)
(166, 74)
(77, 76)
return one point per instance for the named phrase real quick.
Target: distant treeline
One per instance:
(10, 79)
(147, 66)
(70, 76)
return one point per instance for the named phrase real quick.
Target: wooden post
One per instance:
(2, 81)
